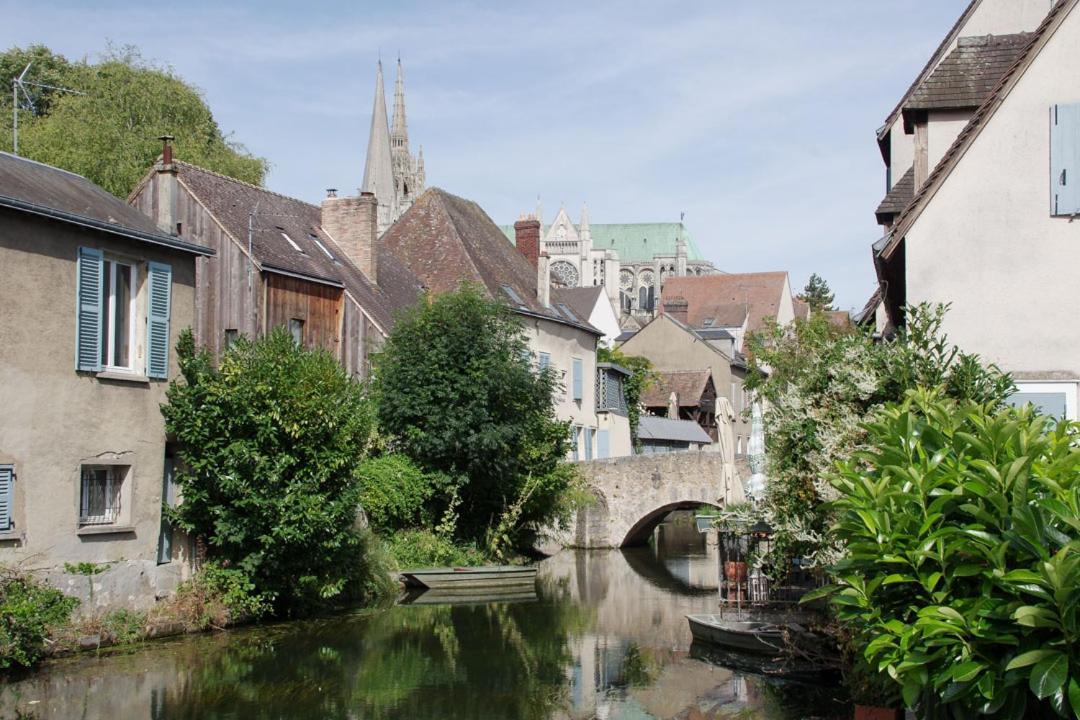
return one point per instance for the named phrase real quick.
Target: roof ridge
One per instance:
(956, 151)
(238, 181)
(46, 165)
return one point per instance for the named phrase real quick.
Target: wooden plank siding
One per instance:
(319, 306)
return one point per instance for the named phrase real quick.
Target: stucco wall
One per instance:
(56, 419)
(1002, 17)
(987, 243)
(942, 128)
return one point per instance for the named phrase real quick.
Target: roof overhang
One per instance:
(70, 218)
(562, 321)
(302, 276)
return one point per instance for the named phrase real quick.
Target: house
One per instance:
(665, 435)
(989, 226)
(594, 306)
(445, 240)
(683, 395)
(280, 262)
(672, 345)
(94, 297)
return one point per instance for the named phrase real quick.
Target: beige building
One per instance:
(445, 240)
(94, 299)
(989, 225)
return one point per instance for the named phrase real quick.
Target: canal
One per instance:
(606, 638)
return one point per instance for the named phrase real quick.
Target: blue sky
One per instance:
(755, 119)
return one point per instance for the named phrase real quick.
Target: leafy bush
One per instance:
(458, 395)
(216, 597)
(820, 383)
(124, 626)
(270, 445)
(962, 576)
(29, 610)
(410, 549)
(395, 493)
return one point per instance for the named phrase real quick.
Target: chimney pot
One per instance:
(166, 149)
(331, 192)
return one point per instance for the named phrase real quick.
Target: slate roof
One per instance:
(231, 202)
(445, 240)
(871, 306)
(710, 296)
(688, 385)
(658, 428)
(634, 242)
(898, 198)
(32, 187)
(802, 308)
(969, 73)
(884, 248)
(581, 300)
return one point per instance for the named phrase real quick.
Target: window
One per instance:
(577, 380)
(118, 290)
(1065, 160)
(168, 499)
(318, 244)
(588, 443)
(575, 433)
(291, 242)
(99, 499)
(296, 329)
(603, 449)
(512, 294)
(1057, 399)
(735, 396)
(7, 497)
(545, 361)
(231, 336)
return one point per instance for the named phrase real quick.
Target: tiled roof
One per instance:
(952, 156)
(689, 385)
(969, 73)
(869, 308)
(581, 300)
(709, 296)
(48, 191)
(659, 428)
(231, 202)
(899, 197)
(445, 240)
(634, 242)
(802, 308)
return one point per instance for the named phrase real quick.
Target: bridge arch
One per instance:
(639, 532)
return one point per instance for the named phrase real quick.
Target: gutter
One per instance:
(562, 321)
(95, 224)
(302, 276)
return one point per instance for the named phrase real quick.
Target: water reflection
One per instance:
(606, 639)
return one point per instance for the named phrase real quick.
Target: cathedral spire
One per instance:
(399, 137)
(378, 168)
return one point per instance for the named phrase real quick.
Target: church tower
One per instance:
(390, 171)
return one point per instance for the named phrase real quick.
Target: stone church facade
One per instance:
(391, 172)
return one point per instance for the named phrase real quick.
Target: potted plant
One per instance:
(876, 695)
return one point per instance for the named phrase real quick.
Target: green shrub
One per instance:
(125, 626)
(29, 610)
(409, 549)
(962, 570)
(270, 444)
(395, 493)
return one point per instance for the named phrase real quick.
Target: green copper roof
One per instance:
(635, 242)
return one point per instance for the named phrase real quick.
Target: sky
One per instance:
(755, 119)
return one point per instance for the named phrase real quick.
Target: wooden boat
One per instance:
(469, 595)
(505, 576)
(759, 637)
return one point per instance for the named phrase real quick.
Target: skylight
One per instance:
(318, 243)
(291, 241)
(512, 294)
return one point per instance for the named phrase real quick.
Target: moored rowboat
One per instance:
(478, 577)
(762, 638)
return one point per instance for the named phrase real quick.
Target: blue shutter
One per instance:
(602, 449)
(7, 496)
(588, 443)
(578, 372)
(88, 310)
(159, 292)
(1065, 159)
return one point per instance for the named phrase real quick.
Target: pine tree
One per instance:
(817, 294)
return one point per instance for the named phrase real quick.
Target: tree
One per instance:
(820, 382)
(458, 394)
(270, 446)
(109, 133)
(961, 577)
(817, 295)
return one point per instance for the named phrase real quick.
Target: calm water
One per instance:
(606, 638)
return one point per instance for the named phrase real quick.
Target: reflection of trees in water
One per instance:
(491, 661)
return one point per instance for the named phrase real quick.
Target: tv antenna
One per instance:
(19, 83)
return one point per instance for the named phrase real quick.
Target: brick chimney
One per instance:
(678, 308)
(527, 238)
(166, 188)
(353, 224)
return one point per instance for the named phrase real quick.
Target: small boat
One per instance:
(501, 577)
(469, 595)
(754, 636)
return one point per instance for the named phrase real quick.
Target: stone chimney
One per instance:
(677, 308)
(353, 224)
(527, 238)
(543, 280)
(166, 188)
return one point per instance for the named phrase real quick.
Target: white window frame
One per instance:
(291, 242)
(115, 477)
(107, 362)
(318, 244)
(1068, 389)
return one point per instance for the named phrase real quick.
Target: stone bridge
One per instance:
(633, 494)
